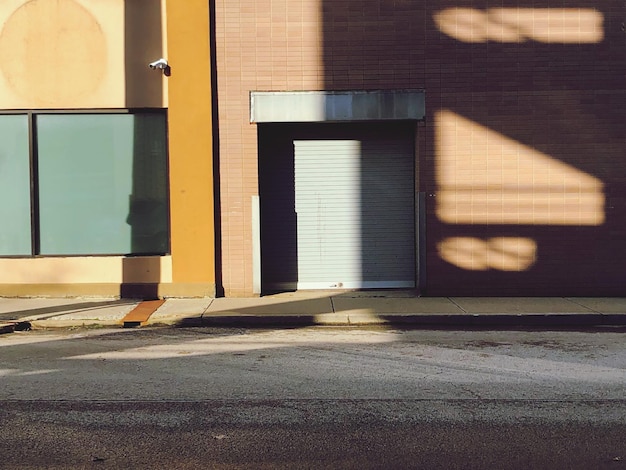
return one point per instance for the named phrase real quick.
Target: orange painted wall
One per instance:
(190, 143)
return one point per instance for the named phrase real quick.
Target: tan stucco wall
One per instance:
(110, 269)
(91, 54)
(63, 54)
(112, 276)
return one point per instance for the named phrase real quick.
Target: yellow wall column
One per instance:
(190, 149)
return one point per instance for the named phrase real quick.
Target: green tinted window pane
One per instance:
(15, 235)
(102, 184)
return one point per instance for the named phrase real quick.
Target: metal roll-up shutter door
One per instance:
(355, 209)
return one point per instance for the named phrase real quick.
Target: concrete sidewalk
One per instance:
(321, 308)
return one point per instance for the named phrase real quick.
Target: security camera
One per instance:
(160, 64)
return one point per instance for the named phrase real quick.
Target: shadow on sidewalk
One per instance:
(405, 309)
(55, 310)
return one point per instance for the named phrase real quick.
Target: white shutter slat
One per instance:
(355, 213)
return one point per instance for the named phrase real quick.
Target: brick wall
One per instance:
(261, 45)
(522, 152)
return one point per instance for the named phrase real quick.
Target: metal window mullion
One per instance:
(34, 184)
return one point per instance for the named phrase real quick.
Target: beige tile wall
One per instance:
(522, 155)
(261, 45)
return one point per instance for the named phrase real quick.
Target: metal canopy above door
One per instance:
(337, 106)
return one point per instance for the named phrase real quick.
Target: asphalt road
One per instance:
(312, 398)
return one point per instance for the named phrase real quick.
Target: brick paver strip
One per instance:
(141, 312)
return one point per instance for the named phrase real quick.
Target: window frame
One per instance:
(33, 161)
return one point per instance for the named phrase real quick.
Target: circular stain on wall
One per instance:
(52, 52)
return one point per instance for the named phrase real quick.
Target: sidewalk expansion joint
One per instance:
(461, 308)
(567, 299)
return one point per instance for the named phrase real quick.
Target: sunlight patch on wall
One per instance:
(515, 25)
(499, 253)
(486, 178)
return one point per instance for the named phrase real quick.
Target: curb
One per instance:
(533, 320)
(354, 319)
(42, 324)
